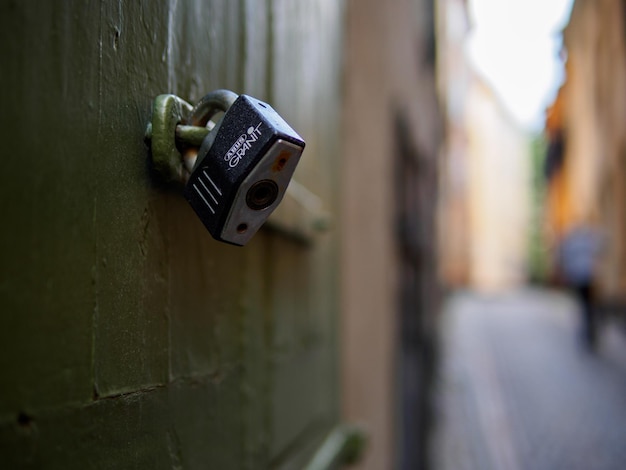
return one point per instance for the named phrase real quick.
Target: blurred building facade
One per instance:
(485, 171)
(392, 132)
(586, 166)
(454, 79)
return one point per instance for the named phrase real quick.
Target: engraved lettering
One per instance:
(243, 143)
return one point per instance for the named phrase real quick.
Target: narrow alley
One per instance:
(517, 389)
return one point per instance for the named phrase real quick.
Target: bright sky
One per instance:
(515, 46)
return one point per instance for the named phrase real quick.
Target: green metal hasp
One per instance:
(168, 111)
(344, 445)
(177, 125)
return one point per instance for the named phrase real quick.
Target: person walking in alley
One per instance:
(579, 251)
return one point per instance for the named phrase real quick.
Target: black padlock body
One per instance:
(249, 128)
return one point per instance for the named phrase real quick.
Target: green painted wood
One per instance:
(47, 192)
(131, 338)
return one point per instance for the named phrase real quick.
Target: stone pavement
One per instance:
(517, 389)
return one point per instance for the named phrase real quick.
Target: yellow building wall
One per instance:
(591, 187)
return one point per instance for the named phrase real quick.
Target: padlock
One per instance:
(242, 170)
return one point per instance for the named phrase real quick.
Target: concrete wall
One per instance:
(389, 77)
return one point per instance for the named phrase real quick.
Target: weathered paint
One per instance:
(130, 337)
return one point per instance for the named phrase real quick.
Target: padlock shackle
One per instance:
(196, 132)
(211, 104)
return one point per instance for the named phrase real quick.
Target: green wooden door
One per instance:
(130, 338)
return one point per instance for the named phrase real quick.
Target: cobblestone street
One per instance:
(518, 390)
